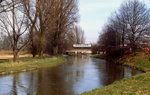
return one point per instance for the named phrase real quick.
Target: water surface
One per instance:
(77, 75)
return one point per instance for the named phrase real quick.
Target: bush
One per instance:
(114, 52)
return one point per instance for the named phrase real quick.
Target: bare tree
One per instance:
(64, 14)
(74, 35)
(6, 5)
(135, 19)
(118, 23)
(42, 22)
(14, 25)
(132, 22)
(51, 20)
(38, 13)
(78, 35)
(109, 37)
(42, 7)
(32, 16)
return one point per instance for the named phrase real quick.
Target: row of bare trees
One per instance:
(78, 35)
(128, 26)
(42, 26)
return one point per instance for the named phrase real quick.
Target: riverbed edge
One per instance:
(56, 62)
(118, 61)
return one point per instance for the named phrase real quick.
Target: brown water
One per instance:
(77, 75)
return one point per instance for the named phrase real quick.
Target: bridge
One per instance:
(80, 49)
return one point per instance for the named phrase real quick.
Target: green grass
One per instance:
(137, 85)
(140, 61)
(27, 64)
(143, 64)
(98, 56)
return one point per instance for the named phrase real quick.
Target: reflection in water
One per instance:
(77, 75)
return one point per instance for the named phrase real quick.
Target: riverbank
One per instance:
(101, 56)
(28, 64)
(141, 61)
(136, 85)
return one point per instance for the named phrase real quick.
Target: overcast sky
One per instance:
(95, 13)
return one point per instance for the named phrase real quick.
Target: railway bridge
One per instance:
(80, 49)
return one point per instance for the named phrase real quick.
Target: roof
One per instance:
(82, 45)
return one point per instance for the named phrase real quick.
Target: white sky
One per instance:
(95, 13)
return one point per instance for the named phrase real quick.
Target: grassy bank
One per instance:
(28, 64)
(102, 56)
(136, 85)
(140, 61)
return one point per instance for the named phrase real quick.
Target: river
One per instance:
(75, 76)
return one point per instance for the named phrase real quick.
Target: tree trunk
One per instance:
(41, 44)
(15, 56)
(134, 53)
(133, 47)
(33, 48)
(33, 52)
(33, 55)
(41, 54)
(123, 41)
(40, 50)
(55, 50)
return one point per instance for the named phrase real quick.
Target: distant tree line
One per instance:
(41, 26)
(126, 30)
